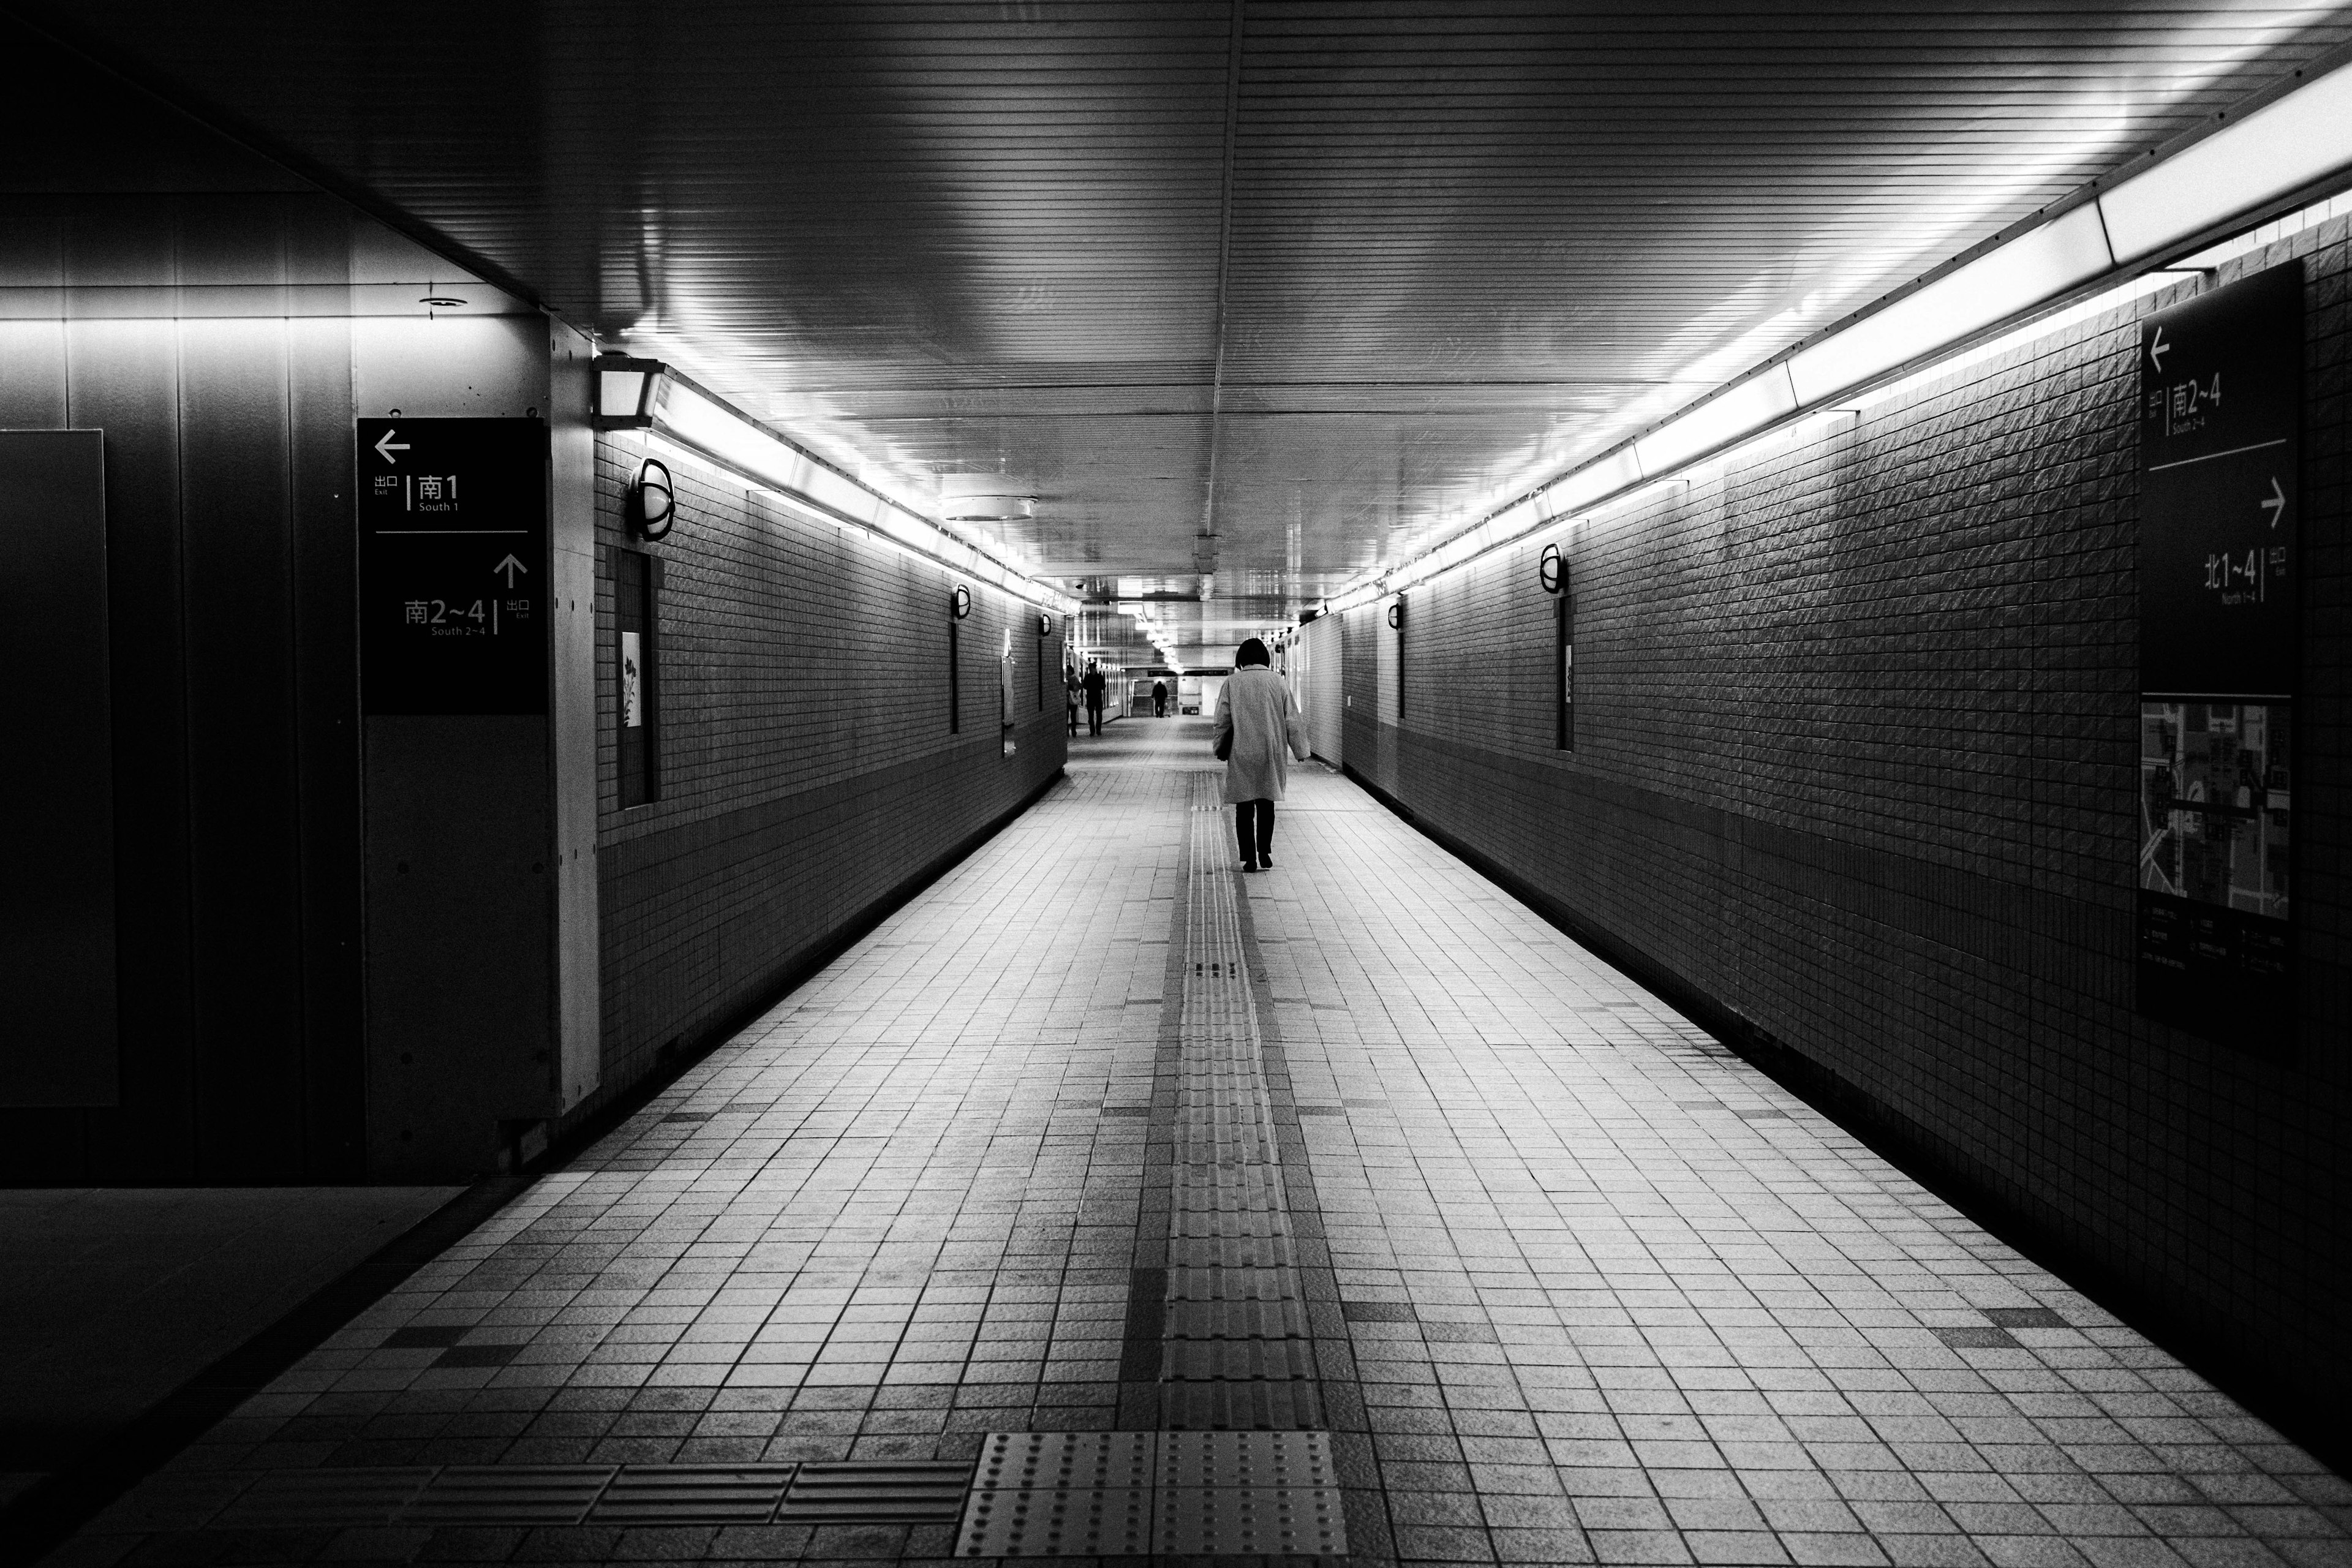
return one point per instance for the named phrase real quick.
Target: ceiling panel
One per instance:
(1375, 267)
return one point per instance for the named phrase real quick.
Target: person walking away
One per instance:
(1070, 694)
(1160, 699)
(1094, 698)
(1259, 729)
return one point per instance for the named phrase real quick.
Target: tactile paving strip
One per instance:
(1247, 1522)
(911, 1493)
(1034, 1460)
(697, 1494)
(510, 1494)
(1106, 1494)
(852, 1493)
(1253, 1459)
(1090, 1522)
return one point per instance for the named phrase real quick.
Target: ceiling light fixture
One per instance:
(621, 394)
(691, 419)
(2296, 144)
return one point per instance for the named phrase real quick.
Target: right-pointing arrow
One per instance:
(2275, 502)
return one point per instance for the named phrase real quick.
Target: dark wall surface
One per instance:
(809, 772)
(1855, 777)
(227, 441)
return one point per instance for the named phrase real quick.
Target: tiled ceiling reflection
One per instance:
(1416, 256)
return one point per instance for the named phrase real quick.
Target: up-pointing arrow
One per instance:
(510, 566)
(2157, 348)
(2275, 502)
(386, 445)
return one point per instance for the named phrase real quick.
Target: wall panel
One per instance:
(810, 771)
(1856, 774)
(228, 457)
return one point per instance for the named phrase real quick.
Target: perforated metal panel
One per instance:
(1247, 1522)
(1034, 1460)
(1248, 1459)
(1063, 1522)
(1080, 1494)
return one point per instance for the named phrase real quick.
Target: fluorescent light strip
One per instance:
(2285, 146)
(692, 419)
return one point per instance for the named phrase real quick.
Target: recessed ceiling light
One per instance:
(441, 302)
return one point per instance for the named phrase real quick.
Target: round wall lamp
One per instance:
(1396, 615)
(959, 602)
(1044, 625)
(651, 501)
(1551, 569)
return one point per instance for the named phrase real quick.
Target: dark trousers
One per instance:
(1094, 720)
(1159, 706)
(1253, 824)
(1073, 718)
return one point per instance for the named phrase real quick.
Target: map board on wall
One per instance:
(2220, 421)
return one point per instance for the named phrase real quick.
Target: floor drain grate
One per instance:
(1130, 1494)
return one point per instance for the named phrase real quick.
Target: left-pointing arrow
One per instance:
(387, 446)
(510, 566)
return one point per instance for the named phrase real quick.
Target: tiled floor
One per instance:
(112, 1297)
(1564, 1281)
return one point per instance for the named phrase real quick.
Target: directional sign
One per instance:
(2220, 399)
(2220, 386)
(453, 563)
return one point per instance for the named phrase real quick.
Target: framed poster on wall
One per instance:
(2220, 455)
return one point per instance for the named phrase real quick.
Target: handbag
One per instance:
(1226, 746)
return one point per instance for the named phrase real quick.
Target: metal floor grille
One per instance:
(1110, 1494)
(880, 1493)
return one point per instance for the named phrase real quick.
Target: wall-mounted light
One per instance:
(622, 395)
(650, 503)
(1396, 616)
(1551, 569)
(1044, 625)
(959, 602)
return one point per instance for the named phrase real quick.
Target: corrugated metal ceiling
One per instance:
(1415, 256)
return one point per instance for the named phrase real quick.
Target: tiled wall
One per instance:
(1855, 769)
(809, 771)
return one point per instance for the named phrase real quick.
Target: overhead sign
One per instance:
(453, 565)
(2220, 441)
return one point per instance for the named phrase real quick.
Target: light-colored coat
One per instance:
(1267, 729)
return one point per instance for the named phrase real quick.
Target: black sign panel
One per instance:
(2219, 418)
(453, 595)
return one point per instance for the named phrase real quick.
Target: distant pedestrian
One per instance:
(1070, 695)
(1094, 698)
(1160, 699)
(1259, 729)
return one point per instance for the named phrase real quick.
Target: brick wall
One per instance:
(1855, 777)
(809, 773)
